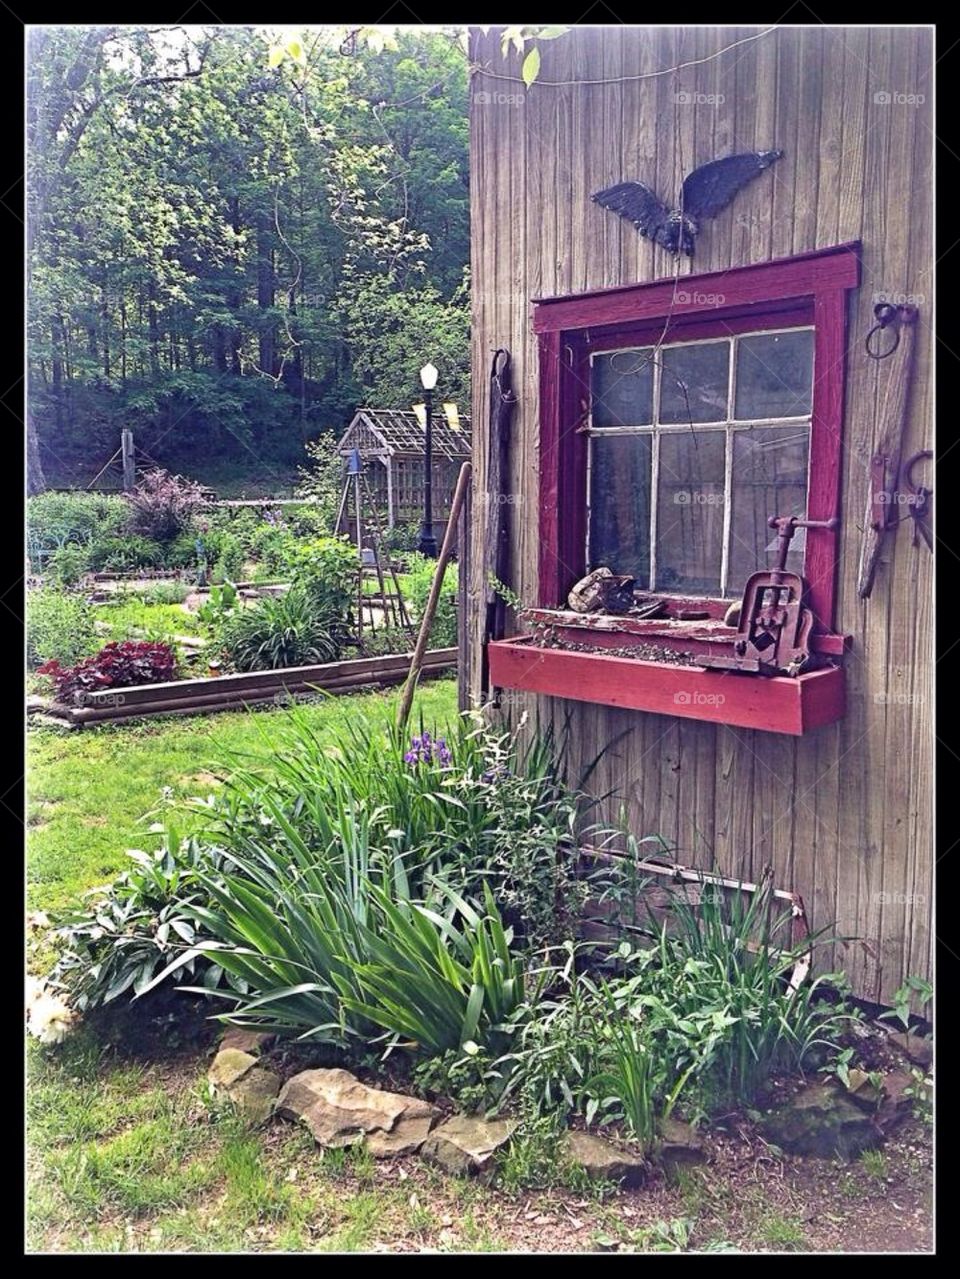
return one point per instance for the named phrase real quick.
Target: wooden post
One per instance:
(389, 465)
(449, 537)
(463, 603)
(129, 466)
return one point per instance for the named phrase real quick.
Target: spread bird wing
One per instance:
(709, 189)
(638, 204)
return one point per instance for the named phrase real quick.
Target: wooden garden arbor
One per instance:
(394, 438)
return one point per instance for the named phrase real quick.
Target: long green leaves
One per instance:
(438, 985)
(331, 946)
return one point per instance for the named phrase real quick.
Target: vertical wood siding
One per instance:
(844, 814)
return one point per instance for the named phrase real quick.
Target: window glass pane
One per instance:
(623, 388)
(620, 504)
(690, 511)
(774, 375)
(694, 383)
(769, 478)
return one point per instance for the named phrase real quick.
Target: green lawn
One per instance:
(90, 793)
(131, 613)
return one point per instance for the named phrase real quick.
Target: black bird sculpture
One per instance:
(705, 193)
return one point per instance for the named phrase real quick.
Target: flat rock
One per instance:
(229, 1065)
(601, 1160)
(863, 1090)
(466, 1145)
(914, 1047)
(822, 1120)
(896, 1103)
(341, 1111)
(246, 1041)
(680, 1143)
(254, 1094)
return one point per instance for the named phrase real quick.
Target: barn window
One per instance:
(691, 447)
(676, 418)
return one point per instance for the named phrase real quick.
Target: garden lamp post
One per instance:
(428, 542)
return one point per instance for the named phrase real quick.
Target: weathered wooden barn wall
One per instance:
(842, 814)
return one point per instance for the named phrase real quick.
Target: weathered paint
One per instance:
(843, 813)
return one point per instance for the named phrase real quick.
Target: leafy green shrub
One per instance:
(322, 480)
(914, 990)
(461, 1075)
(118, 938)
(727, 966)
(163, 505)
(705, 1015)
(67, 564)
(182, 551)
(428, 981)
(271, 545)
(124, 554)
(163, 592)
(326, 568)
(286, 630)
(402, 537)
(55, 519)
(230, 559)
(478, 806)
(60, 627)
(221, 603)
(308, 521)
(416, 584)
(241, 523)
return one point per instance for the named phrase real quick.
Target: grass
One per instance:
(132, 614)
(119, 1162)
(784, 1233)
(875, 1165)
(91, 794)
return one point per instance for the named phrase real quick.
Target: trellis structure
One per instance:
(393, 439)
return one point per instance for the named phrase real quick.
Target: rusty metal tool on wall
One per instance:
(894, 371)
(496, 543)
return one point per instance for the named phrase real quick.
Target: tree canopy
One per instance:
(236, 236)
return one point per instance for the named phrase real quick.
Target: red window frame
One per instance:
(809, 288)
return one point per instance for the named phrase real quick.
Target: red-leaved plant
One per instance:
(162, 505)
(117, 665)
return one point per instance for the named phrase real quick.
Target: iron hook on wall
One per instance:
(887, 316)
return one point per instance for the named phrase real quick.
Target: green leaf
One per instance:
(514, 36)
(276, 57)
(531, 67)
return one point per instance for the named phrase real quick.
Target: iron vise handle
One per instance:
(783, 522)
(786, 526)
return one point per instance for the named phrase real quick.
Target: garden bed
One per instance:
(225, 692)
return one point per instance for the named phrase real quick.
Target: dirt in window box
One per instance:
(638, 652)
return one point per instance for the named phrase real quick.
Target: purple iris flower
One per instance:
(425, 749)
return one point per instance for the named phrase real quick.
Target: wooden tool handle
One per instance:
(446, 550)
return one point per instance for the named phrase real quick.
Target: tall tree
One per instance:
(227, 248)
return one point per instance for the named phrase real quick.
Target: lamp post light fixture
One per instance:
(428, 542)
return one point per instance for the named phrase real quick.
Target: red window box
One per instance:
(775, 704)
(806, 293)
